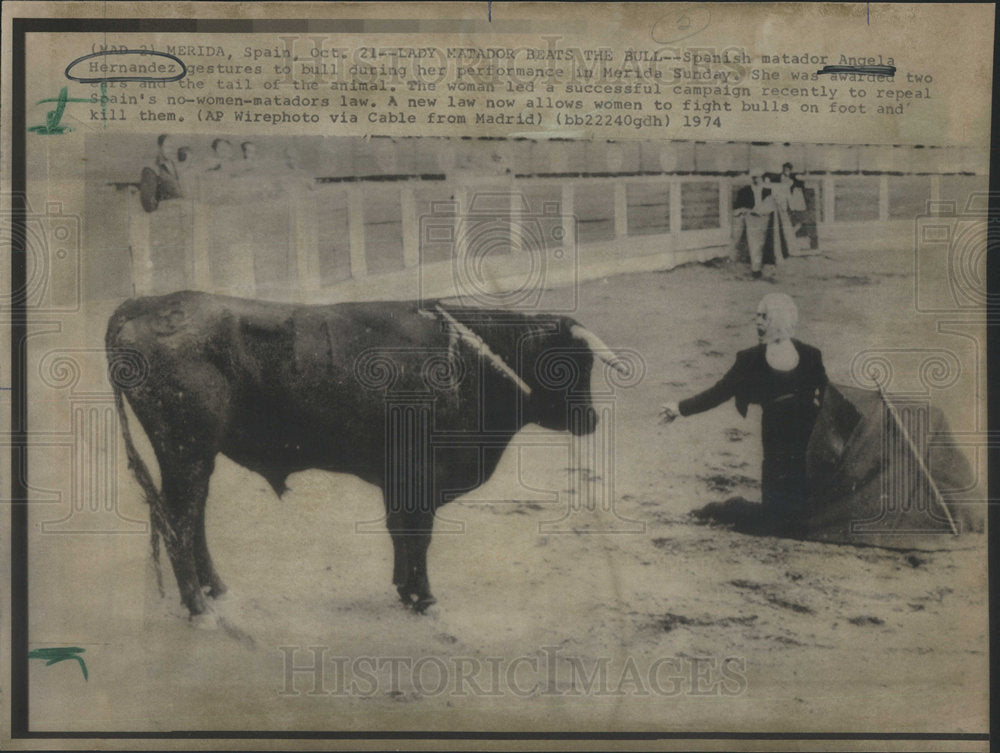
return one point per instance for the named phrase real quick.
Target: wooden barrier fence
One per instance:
(308, 240)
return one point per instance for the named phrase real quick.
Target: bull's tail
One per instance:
(153, 497)
(125, 366)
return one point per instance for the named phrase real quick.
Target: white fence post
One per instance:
(139, 242)
(829, 199)
(305, 239)
(621, 209)
(725, 204)
(411, 227)
(462, 196)
(516, 208)
(568, 201)
(356, 231)
(201, 245)
(675, 206)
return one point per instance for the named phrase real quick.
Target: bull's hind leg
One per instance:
(183, 407)
(187, 459)
(185, 489)
(203, 560)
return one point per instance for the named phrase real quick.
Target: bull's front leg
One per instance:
(411, 538)
(398, 559)
(417, 584)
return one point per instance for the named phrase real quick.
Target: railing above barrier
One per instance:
(300, 238)
(340, 230)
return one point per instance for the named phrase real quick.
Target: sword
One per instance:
(938, 497)
(481, 347)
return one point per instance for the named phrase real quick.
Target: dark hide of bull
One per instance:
(369, 389)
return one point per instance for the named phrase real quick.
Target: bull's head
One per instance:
(547, 359)
(560, 396)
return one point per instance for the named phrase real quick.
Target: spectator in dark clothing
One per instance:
(795, 187)
(249, 150)
(163, 182)
(786, 378)
(223, 154)
(166, 163)
(790, 201)
(753, 208)
(801, 213)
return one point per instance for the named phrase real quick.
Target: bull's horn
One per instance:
(601, 350)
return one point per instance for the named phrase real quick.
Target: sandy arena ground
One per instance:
(739, 632)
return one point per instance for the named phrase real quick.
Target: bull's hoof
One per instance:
(205, 621)
(219, 592)
(416, 602)
(405, 597)
(196, 605)
(420, 605)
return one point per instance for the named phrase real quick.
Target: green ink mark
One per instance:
(53, 655)
(104, 103)
(53, 117)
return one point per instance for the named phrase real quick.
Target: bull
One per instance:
(359, 388)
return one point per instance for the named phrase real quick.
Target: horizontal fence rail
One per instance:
(439, 217)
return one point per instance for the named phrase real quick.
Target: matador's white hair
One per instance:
(781, 317)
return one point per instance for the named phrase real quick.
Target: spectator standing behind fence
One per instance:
(753, 208)
(796, 189)
(791, 205)
(223, 155)
(786, 378)
(778, 239)
(803, 216)
(186, 166)
(248, 162)
(164, 182)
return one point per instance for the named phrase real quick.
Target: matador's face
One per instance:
(761, 319)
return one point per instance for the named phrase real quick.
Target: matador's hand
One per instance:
(669, 412)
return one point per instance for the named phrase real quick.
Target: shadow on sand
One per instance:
(743, 516)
